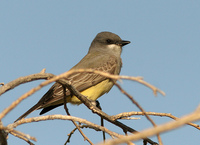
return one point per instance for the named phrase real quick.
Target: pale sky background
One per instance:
(164, 49)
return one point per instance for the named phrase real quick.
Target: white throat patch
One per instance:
(116, 48)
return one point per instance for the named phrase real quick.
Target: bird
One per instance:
(104, 55)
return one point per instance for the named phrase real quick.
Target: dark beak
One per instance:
(123, 43)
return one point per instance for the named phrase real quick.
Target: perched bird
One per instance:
(103, 55)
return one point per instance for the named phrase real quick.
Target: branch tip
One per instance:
(43, 70)
(2, 84)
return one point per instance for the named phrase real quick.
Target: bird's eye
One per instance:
(109, 41)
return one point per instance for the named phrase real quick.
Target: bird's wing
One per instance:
(80, 81)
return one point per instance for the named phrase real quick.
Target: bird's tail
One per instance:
(35, 107)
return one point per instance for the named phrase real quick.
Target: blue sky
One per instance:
(55, 35)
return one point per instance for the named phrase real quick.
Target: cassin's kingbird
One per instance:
(103, 55)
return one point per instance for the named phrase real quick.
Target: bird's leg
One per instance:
(97, 104)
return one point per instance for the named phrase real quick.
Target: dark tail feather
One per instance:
(35, 107)
(47, 109)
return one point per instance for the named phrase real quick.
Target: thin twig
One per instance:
(67, 111)
(102, 114)
(42, 75)
(61, 117)
(29, 78)
(102, 121)
(19, 134)
(19, 81)
(21, 137)
(43, 70)
(81, 126)
(195, 116)
(22, 80)
(87, 126)
(127, 114)
(70, 134)
(137, 104)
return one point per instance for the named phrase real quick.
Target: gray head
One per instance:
(107, 41)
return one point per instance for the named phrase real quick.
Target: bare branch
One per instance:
(60, 79)
(137, 104)
(80, 126)
(64, 117)
(67, 111)
(127, 114)
(22, 80)
(29, 78)
(22, 136)
(43, 75)
(61, 117)
(96, 110)
(158, 129)
(18, 134)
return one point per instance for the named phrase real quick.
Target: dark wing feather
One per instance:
(80, 81)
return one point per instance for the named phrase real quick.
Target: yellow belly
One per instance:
(93, 92)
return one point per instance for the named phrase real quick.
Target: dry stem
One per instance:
(158, 129)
